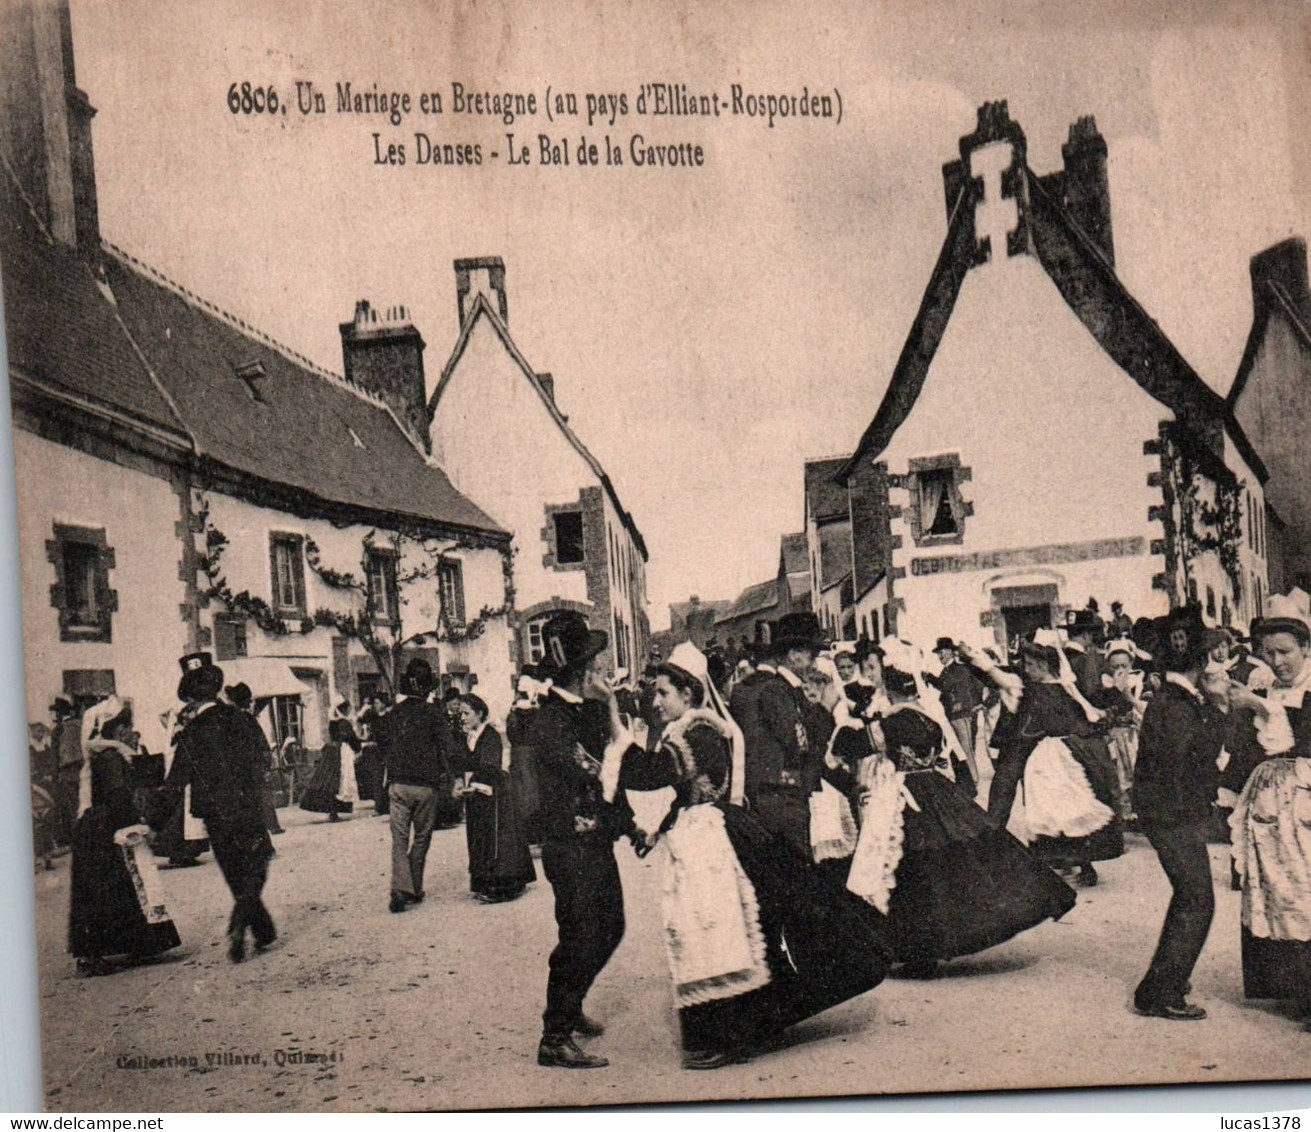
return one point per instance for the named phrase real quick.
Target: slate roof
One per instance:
(753, 599)
(794, 553)
(1089, 285)
(825, 499)
(482, 309)
(134, 342)
(62, 330)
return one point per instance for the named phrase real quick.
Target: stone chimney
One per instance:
(484, 275)
(45, 121)
(1087, 191)
(1284, 266)
(383, 354)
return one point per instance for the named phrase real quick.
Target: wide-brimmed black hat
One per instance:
(201, 679)
(944, 643)
(1182, 636)
(567, 640)
(797, 630)
(239, 695)
(899, 683)
(417, 679)
(1083, 621)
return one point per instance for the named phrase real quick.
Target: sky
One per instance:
(709, 328)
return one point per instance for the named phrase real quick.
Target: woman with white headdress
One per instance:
(1071, 789)
(755, 941)
(949, 881)
(1121, 698)
(117, 903)
(1271, 822)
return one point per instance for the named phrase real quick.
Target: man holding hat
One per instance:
(580, 819)
(223, 757)
(786, 735)
(410, 739)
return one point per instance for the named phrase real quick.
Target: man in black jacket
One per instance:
(1175, 783)
(223, 757)
(569, 732)
(786, 735)
(410, 739)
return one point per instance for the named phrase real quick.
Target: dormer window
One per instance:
(252, 373)
(937, 510)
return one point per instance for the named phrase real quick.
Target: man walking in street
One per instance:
(223, 757)
(569, 732)
(410, 738)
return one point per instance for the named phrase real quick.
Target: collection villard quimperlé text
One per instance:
(665, 100)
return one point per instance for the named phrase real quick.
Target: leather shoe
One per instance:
(562, 1053)
(713, 1059)
(1176, 1012)
(236, 946)
(398, 903)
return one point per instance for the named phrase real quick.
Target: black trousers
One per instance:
(589, 912)
(1187, 864)
(242, 849)
(1007, 775)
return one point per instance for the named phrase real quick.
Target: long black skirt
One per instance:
(320, 795)
(500, 862)
(369, 773)
(1107, 843)
(823, 946)
(105, 914)
(1276, 968)
(962, 884)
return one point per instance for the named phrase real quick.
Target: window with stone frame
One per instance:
(82, 559)
(937, 511)
(229, 636)
(384, 594)
(450, 583)
(569, 549)
(287, 565)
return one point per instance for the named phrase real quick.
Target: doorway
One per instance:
(1021, 620)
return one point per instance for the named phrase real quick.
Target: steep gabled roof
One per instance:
(825, 499)
(1091, 289)
(482, 309)
(293, 424)
(125, 342)
(1275, 300)
(794, 554)
(63, 330)
(754, 599)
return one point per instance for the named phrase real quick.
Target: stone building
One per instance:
(576, 546)
(1271, 397)
(1041, 440)
(186, 483)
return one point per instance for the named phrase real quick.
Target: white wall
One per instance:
(1053, 431)
(137, 511)
(497, 441)
(245, 564)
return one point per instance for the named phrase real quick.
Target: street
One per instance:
(440, 1007)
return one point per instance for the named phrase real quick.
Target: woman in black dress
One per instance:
(1055, 747)
(332, 790)
(117, 903)
(756, 939)
(500, 862)
(950, 882)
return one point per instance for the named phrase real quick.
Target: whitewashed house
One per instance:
(185, 483)
(1041, 441)
(576, 547)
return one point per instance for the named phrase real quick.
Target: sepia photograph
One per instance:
(628, 553)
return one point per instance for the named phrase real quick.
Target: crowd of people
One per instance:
(838, 811)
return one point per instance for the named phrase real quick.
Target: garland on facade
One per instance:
(361, 624)
(1204, 527)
